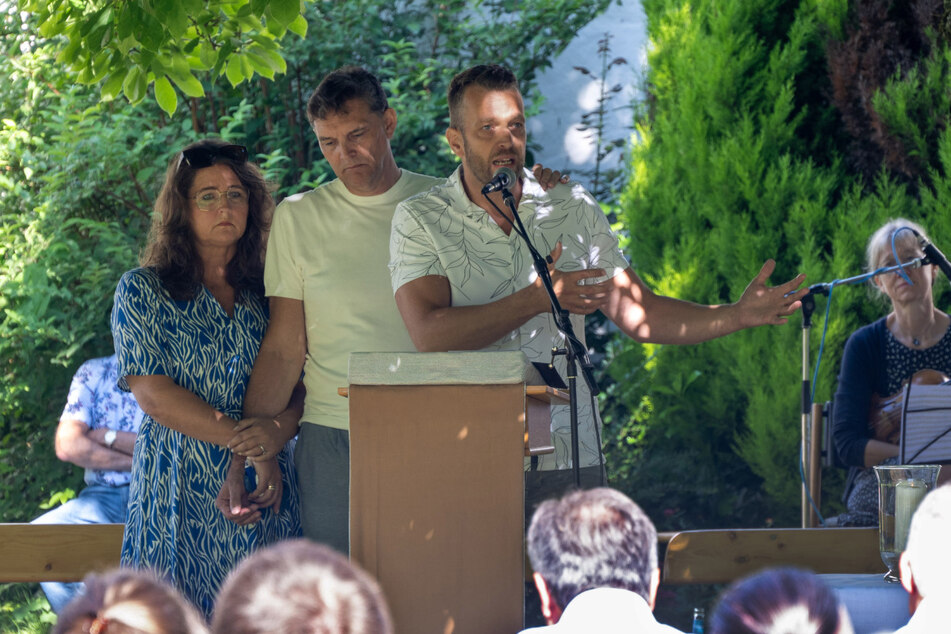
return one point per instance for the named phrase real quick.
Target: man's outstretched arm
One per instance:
(647, 317)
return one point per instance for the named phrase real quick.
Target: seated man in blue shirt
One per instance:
(97, 432)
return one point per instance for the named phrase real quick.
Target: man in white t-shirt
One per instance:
(327, 280)
(325, 275)
(463, 278)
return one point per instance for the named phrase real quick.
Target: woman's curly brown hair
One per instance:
(171, 247)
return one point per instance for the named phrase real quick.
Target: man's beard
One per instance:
(483, 170)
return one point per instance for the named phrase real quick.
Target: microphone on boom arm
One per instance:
(934, 256)
(503, 179)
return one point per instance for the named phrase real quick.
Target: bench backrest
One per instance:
(57, 552)
(721, 556)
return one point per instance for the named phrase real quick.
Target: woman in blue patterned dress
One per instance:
(187, 327)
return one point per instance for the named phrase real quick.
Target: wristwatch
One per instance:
(110, 437)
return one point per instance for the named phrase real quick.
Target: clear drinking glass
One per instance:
(900, 490)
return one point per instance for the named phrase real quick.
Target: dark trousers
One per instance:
(322, 458)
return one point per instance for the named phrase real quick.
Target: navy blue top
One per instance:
(862, 373)
(875, 362)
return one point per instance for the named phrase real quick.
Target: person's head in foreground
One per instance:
(926, 563)
(780, 601)
(597, 538)
(303, 587)
(129, 601)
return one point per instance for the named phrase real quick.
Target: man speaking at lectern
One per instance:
(463, 279)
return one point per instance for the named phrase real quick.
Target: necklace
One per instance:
(926, 336)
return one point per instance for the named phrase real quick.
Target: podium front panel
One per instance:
(437, 503)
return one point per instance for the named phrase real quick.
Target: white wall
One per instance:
(569, 93)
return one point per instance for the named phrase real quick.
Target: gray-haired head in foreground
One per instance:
(303, 587)
(592, 539)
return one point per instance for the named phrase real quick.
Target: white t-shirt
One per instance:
(606, 611)
(442, 232)
(329, 249)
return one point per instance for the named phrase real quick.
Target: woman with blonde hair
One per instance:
(879, 358)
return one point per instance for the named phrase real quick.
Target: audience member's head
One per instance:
(596, 538)
(926, 563)
(780, 601)
(128, 601)
(300, 586)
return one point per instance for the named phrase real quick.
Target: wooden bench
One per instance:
(31, 553)
(721, 556)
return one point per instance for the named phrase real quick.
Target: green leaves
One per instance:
(165, 95)
(169, 44)
(135, 84)
(283, 12)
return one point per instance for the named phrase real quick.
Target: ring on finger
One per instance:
(271, 487)
(263, 450)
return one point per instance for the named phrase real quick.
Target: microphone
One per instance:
(503, 179)
(934, 256)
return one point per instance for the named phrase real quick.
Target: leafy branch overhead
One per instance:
(129, 45)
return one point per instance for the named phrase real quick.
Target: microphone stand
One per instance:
(808, 307)
(575, 352)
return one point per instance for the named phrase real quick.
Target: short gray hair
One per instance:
(592, 539)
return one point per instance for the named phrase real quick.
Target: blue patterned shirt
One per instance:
(96, 401)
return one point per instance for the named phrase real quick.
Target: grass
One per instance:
(24, 609)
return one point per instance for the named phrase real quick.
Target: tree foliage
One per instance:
(130, 46)
(885, 48)
(743, 157)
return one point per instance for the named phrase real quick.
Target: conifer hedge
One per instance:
(783, 129)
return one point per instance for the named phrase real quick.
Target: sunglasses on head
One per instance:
(199, 157)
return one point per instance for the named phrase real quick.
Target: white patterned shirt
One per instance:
(442, 232)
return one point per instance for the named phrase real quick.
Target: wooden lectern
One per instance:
(437, 447)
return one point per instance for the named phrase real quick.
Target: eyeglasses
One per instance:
(211, 198)
(199, 157)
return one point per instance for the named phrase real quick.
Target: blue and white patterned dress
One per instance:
(174, 526)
